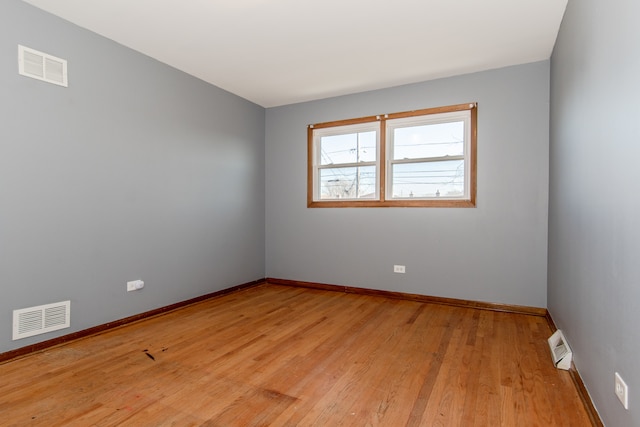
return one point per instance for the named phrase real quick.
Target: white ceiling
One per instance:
(277, 52)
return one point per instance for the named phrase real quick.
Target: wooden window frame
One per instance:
(382, 163)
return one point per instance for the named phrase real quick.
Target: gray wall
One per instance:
(135, 171)
(594, 215)
(496, 252)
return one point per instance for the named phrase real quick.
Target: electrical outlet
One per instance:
(622, 391)
(135, 285)
(398, 269)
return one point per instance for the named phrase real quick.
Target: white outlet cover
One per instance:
(622, 391)
(135, 285)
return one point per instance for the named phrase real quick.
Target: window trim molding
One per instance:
(382, 161)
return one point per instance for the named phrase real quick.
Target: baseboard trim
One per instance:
(552, 324)
(580, 387)
(44, 345)
(505, 308)
(584, 396)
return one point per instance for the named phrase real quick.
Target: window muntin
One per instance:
(420, 158)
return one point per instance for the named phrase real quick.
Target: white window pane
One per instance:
(433, 140)
(348, 148)
(428, 179)
(348, 183)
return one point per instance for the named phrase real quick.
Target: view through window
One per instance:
(417, 158)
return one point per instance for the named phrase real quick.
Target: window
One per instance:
(417, 158)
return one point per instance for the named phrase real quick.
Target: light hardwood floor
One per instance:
(284, 356)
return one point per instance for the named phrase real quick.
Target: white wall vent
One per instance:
(560, 351)
(42, 66)
(32, 321)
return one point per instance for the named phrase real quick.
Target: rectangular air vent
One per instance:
(38, 320)
(42, 66)
(560, 351)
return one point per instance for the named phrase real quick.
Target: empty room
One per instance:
(289, 213)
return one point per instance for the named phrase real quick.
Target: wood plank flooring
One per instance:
(282, 356)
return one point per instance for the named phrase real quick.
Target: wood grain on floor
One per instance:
(282, 356)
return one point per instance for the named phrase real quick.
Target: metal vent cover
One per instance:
(38, 320)
(42, 66)
(560, 351)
